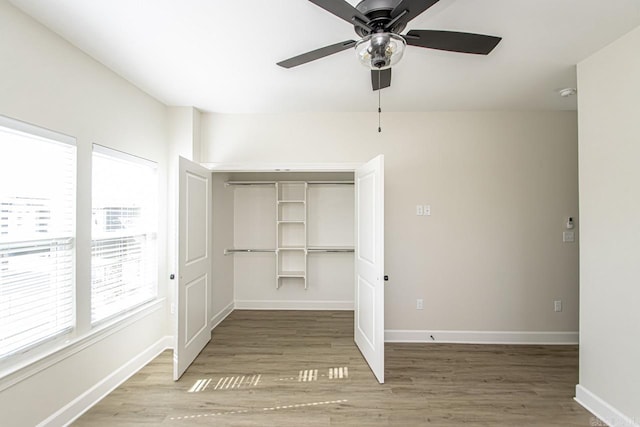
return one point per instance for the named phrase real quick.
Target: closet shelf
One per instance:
(289, 221)
(291, 248)
(292, 201)
(301, 274)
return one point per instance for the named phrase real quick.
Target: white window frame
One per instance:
(67, 240)
(112, 277)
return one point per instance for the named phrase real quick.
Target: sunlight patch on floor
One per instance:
(226, 383)
(246, 381)
(308, 375)
(338, 373)
(273, 408)
(200, 385)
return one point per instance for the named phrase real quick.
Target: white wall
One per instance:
(183, 133)
(47, 82)
(222, 294)
(500, 186)
(609, 107)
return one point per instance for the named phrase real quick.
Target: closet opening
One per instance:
(280, 240)
(292, 240)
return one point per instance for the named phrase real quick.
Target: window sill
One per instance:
(26, 367)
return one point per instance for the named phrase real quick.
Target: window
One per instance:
(123, 233)
(37, 230)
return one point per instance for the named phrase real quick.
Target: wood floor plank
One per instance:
(301, 368)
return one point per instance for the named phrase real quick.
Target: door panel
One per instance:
(369, 280)
(196, 212)
(196, 315)
(366, 222)
(366, 315)
(194, 264)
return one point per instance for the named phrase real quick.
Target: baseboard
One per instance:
(221, 315)
(293, 305)
(601, 409)
(41, 361)
(480, 337)
(84, 402)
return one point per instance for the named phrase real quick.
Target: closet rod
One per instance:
(331, 250)
(273, 182)
(331, 182)
(249, 183)
(233, 251)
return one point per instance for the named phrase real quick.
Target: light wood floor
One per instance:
(252, 374)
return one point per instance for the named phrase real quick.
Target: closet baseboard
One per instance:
(221, 315)
(293, 305)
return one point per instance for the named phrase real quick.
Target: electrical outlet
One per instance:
(419, 304)
(419, 210)
(568, 236)
(557, 306)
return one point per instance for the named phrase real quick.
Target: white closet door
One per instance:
(369, 264)
(194, 265)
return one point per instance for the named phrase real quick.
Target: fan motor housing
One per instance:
(379, 14)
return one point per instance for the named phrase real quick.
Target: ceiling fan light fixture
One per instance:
(379, 51)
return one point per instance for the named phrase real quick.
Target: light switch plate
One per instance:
(568, 236)
(557, 306)
(427, 210)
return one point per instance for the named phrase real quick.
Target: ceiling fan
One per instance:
(379, 23)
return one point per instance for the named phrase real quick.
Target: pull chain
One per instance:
(379, 108)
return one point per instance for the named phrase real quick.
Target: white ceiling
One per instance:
(220, 56)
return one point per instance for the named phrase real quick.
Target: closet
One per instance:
(293, 239)
(280, 240)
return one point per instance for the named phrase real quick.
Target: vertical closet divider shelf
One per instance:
(291, 234)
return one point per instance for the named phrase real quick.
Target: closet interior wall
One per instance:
(222, 296)
(300, 233)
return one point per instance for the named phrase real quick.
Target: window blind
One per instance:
(124, 232)
(37, 229)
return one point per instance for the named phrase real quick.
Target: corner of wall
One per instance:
(74, 409)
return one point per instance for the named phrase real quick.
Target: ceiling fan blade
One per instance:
(317, 54)
(380, 78)
(452, 41)
(342, 9)
(406, 10)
